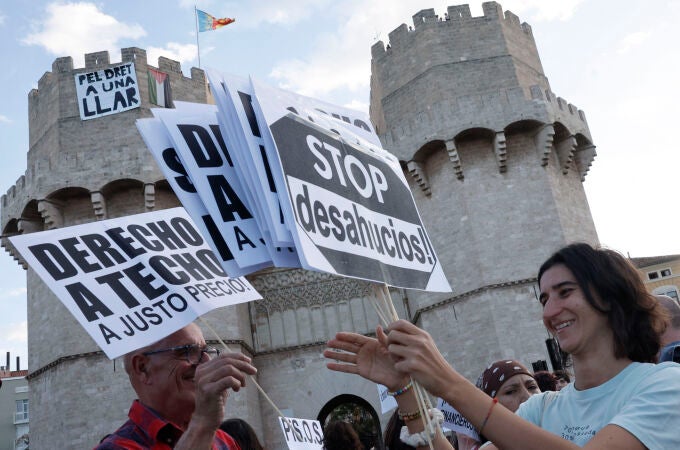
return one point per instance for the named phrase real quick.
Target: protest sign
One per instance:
(107, 91)
(204, 158)
(157, 140)
(387, 402)
(302, 434)
(201, 148)
(352, 207)
(281, 167)
(455, 421)
(234, 97)
(133, 280)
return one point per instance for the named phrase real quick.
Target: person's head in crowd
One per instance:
(242, 433)
(617, 306)
(182, 388)
(671, 337)
(392, 431)
(164, 380)
(546, 380)
(563, 379)
(340, 435)
(509, 381)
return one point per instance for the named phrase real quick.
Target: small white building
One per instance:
(13, 409)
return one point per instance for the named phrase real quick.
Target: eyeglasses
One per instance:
(193, 353)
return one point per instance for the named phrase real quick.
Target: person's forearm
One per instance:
(408, 403)
(504, 428)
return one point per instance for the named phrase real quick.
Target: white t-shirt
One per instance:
(643, 398)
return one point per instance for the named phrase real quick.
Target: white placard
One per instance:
(107, 91)
(302, 434)
(159, 143)
(133, 280)
(234, 97)
(270, 166)
(201, 148)
(387, 402)
(455, 420)
(353, 211)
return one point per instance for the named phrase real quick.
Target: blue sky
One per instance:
(615, 59)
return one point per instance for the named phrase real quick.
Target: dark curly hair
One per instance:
(242, 433)
(340, 435)
(613, 286)
(392, 432)
(546, 380)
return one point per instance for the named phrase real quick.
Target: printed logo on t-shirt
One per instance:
(581, 433)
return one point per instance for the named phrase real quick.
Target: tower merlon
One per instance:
(457, 17)
(424, 16)
(97, 60)
(458, 12)
(63, 64)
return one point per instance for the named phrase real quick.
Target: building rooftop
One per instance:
(13, 373)
(647, 261)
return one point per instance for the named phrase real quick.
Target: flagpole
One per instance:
(198, 45)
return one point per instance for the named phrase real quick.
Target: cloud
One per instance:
(179, 52)
(14, 332)
(340, 59)
(200, 4)
(357, 105)
(17, 292)
(78, 28)
(633, 40)
(276, 12)
(2, 18)
(542, 10)
(5, 119)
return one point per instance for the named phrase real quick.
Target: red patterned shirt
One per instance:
(146, 430)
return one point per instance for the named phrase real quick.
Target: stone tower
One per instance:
(497, 163)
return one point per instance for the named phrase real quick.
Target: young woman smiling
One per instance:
(595, 303)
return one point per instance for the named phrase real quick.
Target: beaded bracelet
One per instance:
(406, 416)
(402, 390)
(427, 435)
(488, 414)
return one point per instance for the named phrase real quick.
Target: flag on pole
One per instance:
(159, 88)
(206, 22)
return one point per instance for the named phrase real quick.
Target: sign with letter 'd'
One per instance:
(133, 280)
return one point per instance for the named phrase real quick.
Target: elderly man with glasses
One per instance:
(182, 387)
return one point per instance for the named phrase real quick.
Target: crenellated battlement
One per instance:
(456, 17)
(100, 60)
(67, 152)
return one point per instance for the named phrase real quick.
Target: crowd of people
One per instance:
(622, 342)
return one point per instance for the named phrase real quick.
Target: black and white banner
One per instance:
(302, 434)
(453, 420)
(133, 280)
(108, 91)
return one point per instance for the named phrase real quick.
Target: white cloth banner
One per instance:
(133, 280)
(455, 421)
(107, 91)
(302, 434)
